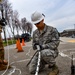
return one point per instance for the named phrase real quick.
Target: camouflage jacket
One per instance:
(49, 38)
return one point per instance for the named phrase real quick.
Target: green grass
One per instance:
(9, 42)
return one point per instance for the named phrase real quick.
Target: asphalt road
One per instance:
(18, 60)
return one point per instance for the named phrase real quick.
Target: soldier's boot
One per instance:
(4, 67)
(54, 71)
(3, 62)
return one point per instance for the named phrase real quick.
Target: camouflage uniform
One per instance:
(49, 39)
(1, 46)
(3, 63)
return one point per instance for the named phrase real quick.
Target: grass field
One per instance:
(9, 42)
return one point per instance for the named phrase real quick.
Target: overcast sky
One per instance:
(58, 13)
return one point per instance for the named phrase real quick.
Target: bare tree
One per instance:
(11, 21)
(29, 27)
(16, 21)
(23, 22)
(26, 26)
(6, 6)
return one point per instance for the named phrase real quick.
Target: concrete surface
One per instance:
(19, 60)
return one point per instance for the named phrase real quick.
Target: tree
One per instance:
(26, 26)
(6, 6)
(29, 27)
(23, 23)
(16, 21)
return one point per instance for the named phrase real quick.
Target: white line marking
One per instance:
(65, 55)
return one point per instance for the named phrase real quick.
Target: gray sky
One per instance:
(59, 13)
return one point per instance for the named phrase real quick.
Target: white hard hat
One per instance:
(37, 17)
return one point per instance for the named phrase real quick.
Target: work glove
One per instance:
(35, 46)
(41, 47)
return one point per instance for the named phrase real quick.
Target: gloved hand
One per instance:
(41, 47)
(35, 46)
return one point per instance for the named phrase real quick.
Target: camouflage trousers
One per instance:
(47, 57)
(1, 49)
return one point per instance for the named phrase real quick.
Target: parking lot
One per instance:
(18, 60)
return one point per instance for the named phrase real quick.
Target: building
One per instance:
(68, 33)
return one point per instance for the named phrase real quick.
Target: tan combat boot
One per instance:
(4, 67)
(3, 62)
(54, 71)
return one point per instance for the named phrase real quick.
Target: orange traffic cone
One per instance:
(19, 46)
(23, 43)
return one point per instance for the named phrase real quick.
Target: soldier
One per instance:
(3, 63)
(47, 38)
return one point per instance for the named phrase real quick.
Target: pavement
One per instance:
(18, 60)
